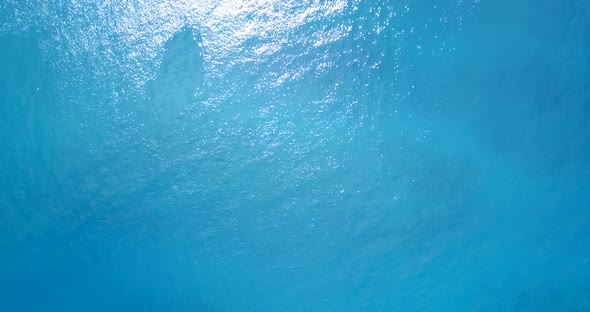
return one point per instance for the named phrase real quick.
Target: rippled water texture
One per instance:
(294, 155)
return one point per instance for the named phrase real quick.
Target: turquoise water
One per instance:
(295, 155)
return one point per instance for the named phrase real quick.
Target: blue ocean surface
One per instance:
(314, 155)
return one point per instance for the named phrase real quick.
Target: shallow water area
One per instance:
(294, 155)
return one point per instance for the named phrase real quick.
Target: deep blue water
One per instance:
(295, 155)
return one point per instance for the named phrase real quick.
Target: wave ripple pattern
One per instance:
(315, 155)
